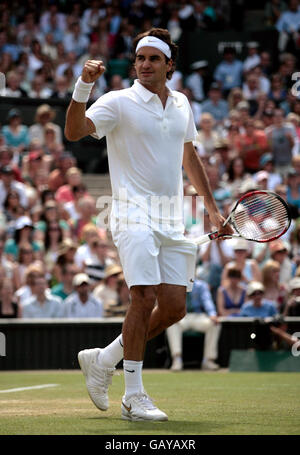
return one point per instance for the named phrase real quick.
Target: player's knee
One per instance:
(145, 296)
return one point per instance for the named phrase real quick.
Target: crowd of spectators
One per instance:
(54, 259)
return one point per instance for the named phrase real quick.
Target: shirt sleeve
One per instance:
(191, 131)
(104, 114)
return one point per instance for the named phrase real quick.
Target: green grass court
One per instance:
(197, 403)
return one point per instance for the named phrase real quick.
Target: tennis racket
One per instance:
(258, 216)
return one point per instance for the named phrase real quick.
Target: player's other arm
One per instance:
(197, 175)
(77, 124)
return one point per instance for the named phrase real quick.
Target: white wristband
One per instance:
(82, 91)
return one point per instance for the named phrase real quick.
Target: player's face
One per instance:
(151, 66)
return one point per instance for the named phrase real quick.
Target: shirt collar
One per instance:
(146, 94)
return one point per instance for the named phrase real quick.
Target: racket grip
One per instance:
(206, 238)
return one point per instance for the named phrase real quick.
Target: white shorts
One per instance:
(151, 257)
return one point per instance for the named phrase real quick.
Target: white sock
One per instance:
(133, 377)
(110, 356)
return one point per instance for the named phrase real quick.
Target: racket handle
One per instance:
(206, 238)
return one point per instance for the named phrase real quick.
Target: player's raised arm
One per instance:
(77, 124)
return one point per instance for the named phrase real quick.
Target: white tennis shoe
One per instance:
(97, 378)
(141, 407)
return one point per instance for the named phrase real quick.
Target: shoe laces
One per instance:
(145, 401)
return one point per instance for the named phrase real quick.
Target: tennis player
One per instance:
(149, 131)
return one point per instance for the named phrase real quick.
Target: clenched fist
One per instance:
(92, 70)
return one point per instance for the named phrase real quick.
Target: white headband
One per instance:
(154, 42)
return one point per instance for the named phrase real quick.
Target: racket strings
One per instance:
(261, 217)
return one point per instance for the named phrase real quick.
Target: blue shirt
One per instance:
(201, 299)
(219, 111)
(229, 74)
(267, 309)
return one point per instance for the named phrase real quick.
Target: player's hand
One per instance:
(92, 70)
(218, 221)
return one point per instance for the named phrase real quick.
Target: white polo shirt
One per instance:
(145, 142)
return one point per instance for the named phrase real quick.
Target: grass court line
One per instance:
(21, 389)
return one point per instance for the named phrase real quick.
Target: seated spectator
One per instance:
(24, 260)
(71, 207)
(253, 57)
(65, 256)
(33, 162)
(106, 291)
(266, 163)
(236, 175)
(42, 304)
(8, 183)
(57, 177)
(16, 135)
(220, 192)
(201, 317)
(195, 81)
(274, 290)
(7, 267)
(279, 253)
(75, 41)
(34, 270)
(119, 307)
(52, 242)
(50, 215)
(92, 257)
(257, 306)
(248, 266)
(234, 97)
(12, 208)
(65, 288)
(293, 189)
(277, 91)
(13, 87)
(86, 207)
(215, 105)
(23, 234)
(39, 88)
(6, 159)
(65, 192)
(292, 307)
(61, 89)
(207, 136)
(82, 303)
(251, 89)
(232, 295)
(44, 115)
(9, 308)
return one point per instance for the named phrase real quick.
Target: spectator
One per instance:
(293, 189)
(195, 81)
(49, 216)
(207, 136)
(253, 58)
(16, 135)
(277, 91)
(25, 291)
(65, 287)
(13, 85)
(288, 25)
(65, 256)
(266, 163)
(71, 207)
(8, 183)
(279, 253)
(53, 239)
(39, 88)
(82, 303)
(273, 10)
(23, 234)
(229, 72)
(120, 307)
(234, 97)
(251, 145)
(235, 176)
(232, 295)
(61, 88)
(24, 260)
(12, 208)
(87, 214)
(42, 304)
(274, 290)
(65, 192)
(195, 106)
(44, 115)
(215, 105)
(248, 266)
(57, 177)
(201, 317)
(257, 306)
(106, 291)
(9, 308)
(281, 141)
(34, 161)
(292, 307)
(6, 158)
(75, 41)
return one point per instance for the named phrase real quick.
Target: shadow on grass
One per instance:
(170, 427)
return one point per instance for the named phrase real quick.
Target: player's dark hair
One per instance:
(164, 35)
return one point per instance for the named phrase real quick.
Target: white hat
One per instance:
(199, 64)
(294, 283)
(254, 286)
(80, 278)
(241, 244)
(22, 222)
